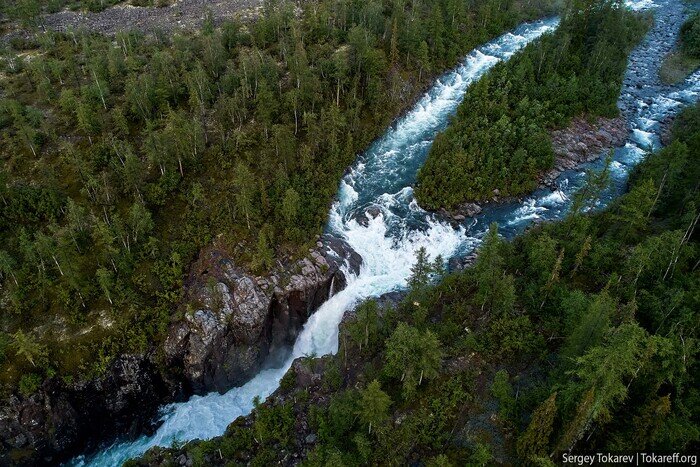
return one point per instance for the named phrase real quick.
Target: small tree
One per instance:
(290, 206)
(534, 442)
(496, 289)
(420, 271)
(412, 356)
(106, 281)
(7, 266)
(25, 346)
(365, 328)
(140, 221)
(503, 392)
(373, 405)
(596, 183)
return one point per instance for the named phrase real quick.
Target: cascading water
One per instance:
(378, 217)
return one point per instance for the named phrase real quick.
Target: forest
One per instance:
(578, 334)
(121, 157)
(499, 138)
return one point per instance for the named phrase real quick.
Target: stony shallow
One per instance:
(183, 14)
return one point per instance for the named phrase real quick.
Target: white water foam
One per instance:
(385, 242)
(638, 5)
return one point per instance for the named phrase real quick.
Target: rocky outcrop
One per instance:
(460, 263)
(59, 420)
(584, 140)
(462, 211)
(235, 321)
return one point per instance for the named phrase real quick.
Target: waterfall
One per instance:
(376, 214)
(331, 290)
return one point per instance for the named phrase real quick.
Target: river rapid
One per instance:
(376, 214)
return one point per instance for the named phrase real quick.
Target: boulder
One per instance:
(468, 209)
(363, 216)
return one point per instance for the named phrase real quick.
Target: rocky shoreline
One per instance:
(584, 140)
(232, 323)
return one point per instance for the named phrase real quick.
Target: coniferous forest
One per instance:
(139, 168)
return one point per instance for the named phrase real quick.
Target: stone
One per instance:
(468, 210)
(57, 421)
(238, 320)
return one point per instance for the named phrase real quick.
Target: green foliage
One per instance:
(29, 383)
(690, 36)
(28, 348)
(373, 405)
(503, 392)
(411, 356)
(274, 424)
(365, 328)
(122, 157)
(533, 443)
(496, 289)
(499, 138)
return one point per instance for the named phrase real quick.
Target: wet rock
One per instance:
(582, 141)
(462, 262)
(60, 420)
(363, 216)
(461, 212)
(469, 209)
(234, 320)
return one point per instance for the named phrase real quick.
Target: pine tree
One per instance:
(423, 59)
(534, 442)
(412, 356)
(26, 346)
(7, 266)
(105, 279)
(604, 373)
(290, 206)
(502, 390)
(420, 271)
(496, 289)
(365, 327)
(373, 405)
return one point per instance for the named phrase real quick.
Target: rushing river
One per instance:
(379, 218)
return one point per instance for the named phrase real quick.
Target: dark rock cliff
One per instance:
(60, 419)
(237, 320)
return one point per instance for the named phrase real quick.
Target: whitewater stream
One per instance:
(376, 213)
